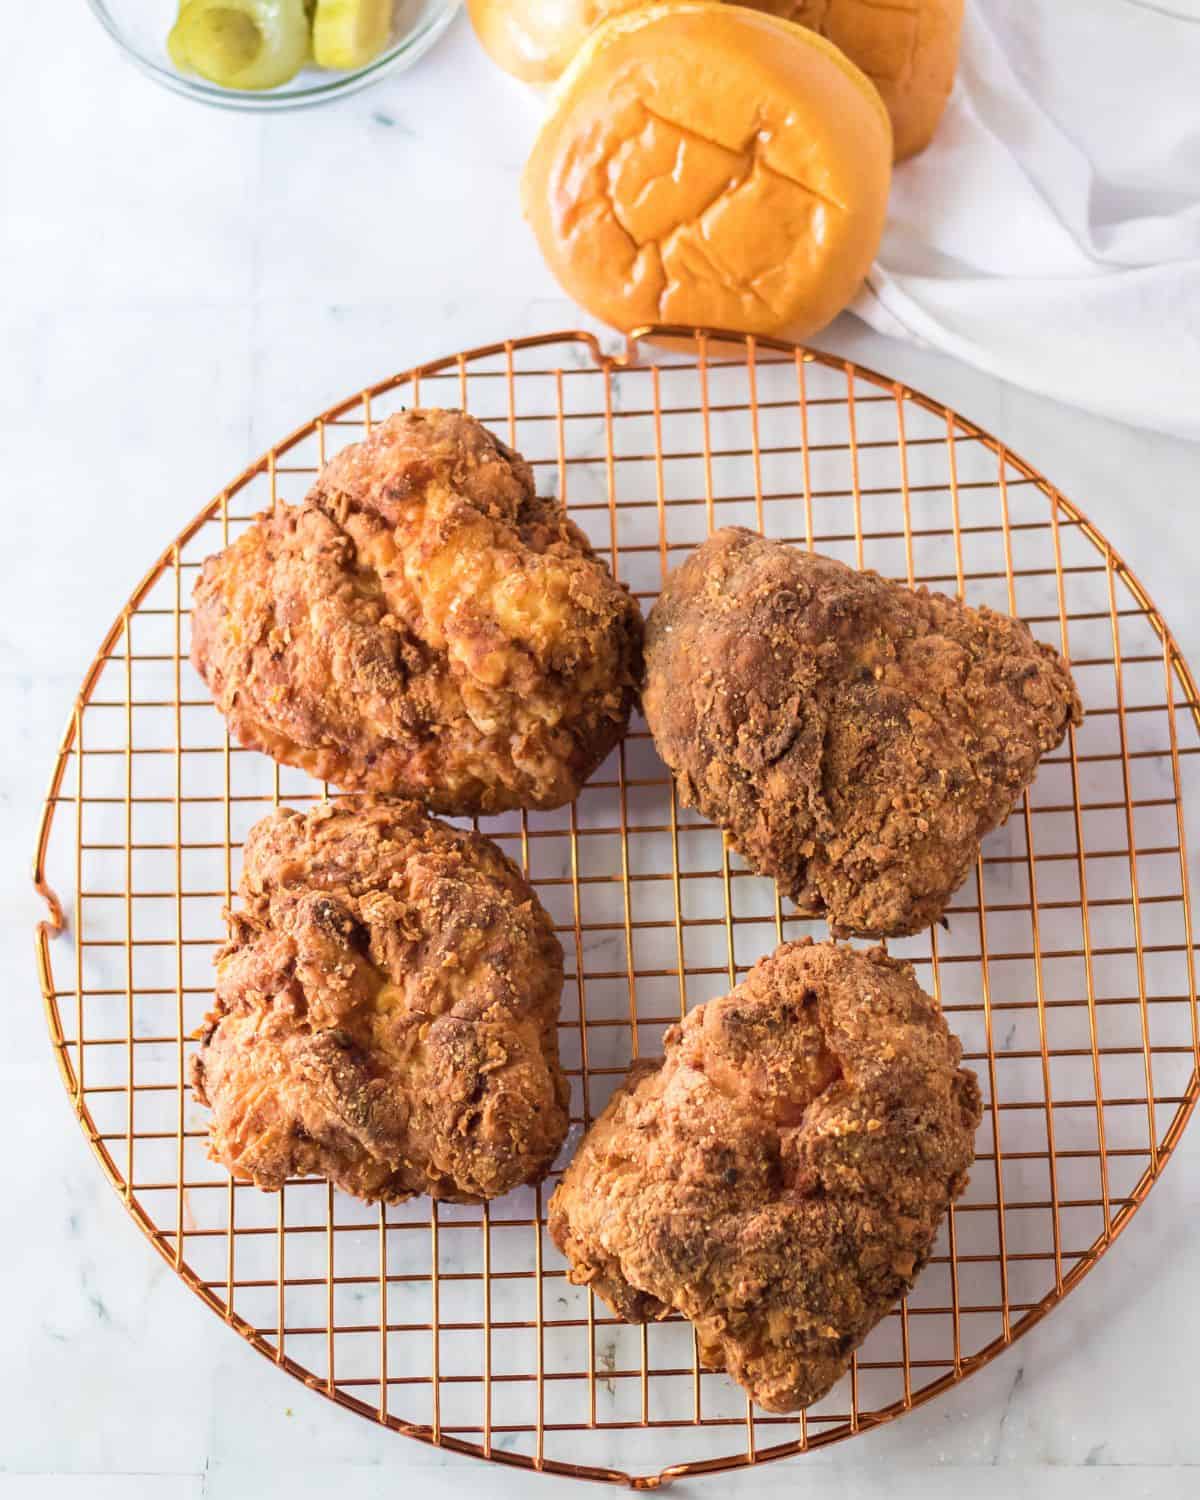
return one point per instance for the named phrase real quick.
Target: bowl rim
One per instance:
(407, 49)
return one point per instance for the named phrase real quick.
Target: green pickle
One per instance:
(349, 34)
(241, 44)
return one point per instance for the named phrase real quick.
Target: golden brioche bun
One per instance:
(705, 164)
(535, 39)
(909, 51)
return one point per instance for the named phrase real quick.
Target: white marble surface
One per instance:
(179, 287)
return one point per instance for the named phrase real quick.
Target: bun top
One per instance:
(535, 39)
(706, 164)
(908, 50)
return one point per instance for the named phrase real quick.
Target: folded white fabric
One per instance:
(1051, 232)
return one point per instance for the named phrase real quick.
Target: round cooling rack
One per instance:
(1066, 965)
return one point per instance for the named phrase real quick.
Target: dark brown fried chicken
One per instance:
(779, 1177)
(856, 739)
(423, 624)
(386, 1010)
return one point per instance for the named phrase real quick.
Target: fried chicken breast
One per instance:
(386, 1010)
(423, 624)
(856, 739)
(779, 1176)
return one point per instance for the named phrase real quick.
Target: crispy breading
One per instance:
(423, 624)
(855, 738)
(780, 1175)
(386, 1010)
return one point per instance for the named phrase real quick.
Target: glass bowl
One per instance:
(140, 27)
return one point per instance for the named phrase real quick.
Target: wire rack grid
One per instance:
(1067, 964)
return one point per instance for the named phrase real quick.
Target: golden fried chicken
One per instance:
(780, 1175)
(386, 1010)
(423, 624)
(856, 739)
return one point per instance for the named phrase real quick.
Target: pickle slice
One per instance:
(175, 46)
(349, 33)
(241, 44)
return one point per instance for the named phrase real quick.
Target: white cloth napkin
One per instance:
(1051, 232)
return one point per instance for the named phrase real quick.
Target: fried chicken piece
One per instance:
(386, 1010)
(423, 624)
(856, 739)
(780, 1175)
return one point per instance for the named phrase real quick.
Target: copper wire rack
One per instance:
(1066, 965)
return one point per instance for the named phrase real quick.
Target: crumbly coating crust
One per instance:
(855, 738)
(780, 1175)
(386, 1010)
(424, 625)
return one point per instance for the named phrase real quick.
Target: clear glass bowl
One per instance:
(140, 27)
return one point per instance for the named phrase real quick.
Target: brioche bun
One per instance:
(709, 165)
(534, 40)
(908, 51)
